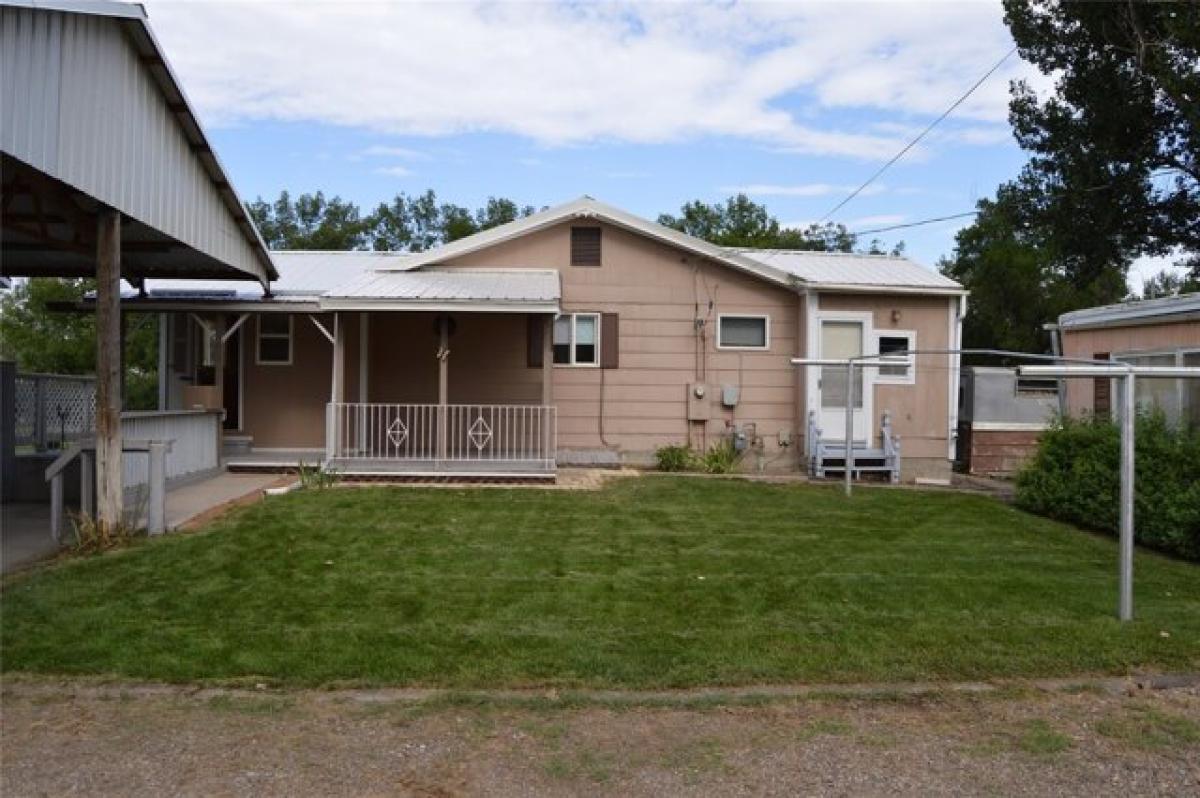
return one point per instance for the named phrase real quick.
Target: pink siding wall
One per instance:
(1121, 340)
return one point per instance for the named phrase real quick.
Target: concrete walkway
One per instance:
(25, 528)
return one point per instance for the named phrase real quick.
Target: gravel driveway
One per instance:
(70, 739)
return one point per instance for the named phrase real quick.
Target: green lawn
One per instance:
(652, 582)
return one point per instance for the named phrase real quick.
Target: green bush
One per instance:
(1075, 476)
(721, 458)
(674, 458)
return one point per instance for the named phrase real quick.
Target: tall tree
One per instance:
(741, 222)
(1013, 277)
(1115, 166)
(310, 222)
(42, 340)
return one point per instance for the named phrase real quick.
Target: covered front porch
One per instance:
(448, 374)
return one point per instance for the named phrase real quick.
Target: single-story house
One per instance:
(1153, 332)
(580, 334)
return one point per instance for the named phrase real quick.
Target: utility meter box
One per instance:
(729, 395)
(698, 402)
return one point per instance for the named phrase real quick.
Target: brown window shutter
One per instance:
(610, 341)
(533, 339)
(1102, 392)
(585, 246)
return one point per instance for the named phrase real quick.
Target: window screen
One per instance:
(748, 332)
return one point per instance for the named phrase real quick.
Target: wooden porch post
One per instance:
(109, 467)
(443, 356)
(218, 345)
(548, 361)
(364, 355)
(338, 393)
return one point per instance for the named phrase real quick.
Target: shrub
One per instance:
(721, 458)
(1075, 476)
(674, 458)
(316, 477)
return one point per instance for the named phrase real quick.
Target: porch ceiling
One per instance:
(479, 290)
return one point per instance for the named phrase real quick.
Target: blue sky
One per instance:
(644, 106)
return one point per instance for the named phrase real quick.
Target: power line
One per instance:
(914, 224)
(920, 136)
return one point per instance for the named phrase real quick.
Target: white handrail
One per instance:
(441, 437)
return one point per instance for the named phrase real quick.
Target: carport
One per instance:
(106, 173)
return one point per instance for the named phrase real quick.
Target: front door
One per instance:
(842, 338)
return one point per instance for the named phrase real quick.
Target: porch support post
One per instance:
(338, 391)
(548, 361)
(109, 466)
(364, 355)
(848, 462)
(443, 356)
(218, 345)
(164, 341)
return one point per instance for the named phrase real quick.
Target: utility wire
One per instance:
(920, 136)
(914, 224)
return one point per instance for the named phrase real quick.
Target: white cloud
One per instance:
(394, 171)
(570, 73)
(801, 190)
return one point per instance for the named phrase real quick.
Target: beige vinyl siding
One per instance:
(1118, 341)
(655, 290)
(920, 412)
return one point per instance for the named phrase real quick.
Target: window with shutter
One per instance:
(585, 246)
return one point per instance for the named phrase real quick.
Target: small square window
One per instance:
(585, 246)
(743, 332)
(891, 346)
(577, 339)
(274, 339)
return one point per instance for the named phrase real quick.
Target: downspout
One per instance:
(960, 310)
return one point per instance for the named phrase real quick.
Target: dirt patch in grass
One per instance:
(314, 743)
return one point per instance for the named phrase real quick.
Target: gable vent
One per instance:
(585, 246)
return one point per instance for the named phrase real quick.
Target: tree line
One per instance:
(415, 223)
(1113, 172)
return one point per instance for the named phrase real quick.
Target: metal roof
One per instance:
(1146, 311)
(524, 290)
(588, 209)
(90, 100)
(303, 277)
(853, 271)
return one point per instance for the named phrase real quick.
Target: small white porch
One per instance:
(501, 325)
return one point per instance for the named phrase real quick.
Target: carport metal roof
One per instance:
(92, 116)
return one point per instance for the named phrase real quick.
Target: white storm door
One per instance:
(843, 339)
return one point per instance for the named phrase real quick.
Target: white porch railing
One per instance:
(441, 438)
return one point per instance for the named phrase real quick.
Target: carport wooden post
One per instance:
(109, 467)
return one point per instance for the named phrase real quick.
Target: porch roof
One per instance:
(478, 290)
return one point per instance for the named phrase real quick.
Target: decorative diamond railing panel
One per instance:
(442, 437)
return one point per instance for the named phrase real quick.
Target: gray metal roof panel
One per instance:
(1145, 311)
(845, 269)
(453, 285)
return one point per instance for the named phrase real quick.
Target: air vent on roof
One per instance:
(585, 246)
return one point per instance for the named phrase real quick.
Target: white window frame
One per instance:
(571, 344)
(1177, 351)
(910, 376)
(258, 337)
(766, 320)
